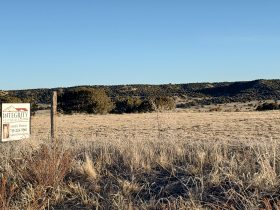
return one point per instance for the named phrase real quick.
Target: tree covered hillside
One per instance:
(223, 92)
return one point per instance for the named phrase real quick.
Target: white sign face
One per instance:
(15, 121)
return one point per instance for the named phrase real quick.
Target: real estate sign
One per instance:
(15, 121)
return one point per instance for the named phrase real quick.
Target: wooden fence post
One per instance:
(53, 115)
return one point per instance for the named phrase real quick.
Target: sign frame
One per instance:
(21, 107)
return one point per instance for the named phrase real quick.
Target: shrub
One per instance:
(164, 103)
(84, 100)
(147, 106)
(127, 105)
(134, 105)
(268, 106)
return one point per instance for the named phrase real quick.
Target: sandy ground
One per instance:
(253, 126)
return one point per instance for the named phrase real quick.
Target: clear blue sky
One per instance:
(55, 43)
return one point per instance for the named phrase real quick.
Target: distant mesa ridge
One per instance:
(219, 92)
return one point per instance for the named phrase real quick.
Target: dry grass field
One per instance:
(173, 160)
(169, 126)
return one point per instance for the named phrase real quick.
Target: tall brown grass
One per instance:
(142, 175)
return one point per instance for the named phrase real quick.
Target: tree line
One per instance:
(97, 101)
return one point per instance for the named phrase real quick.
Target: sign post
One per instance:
(15, 121)
(53, 115)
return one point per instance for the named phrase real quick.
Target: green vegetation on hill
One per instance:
(207, 93)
